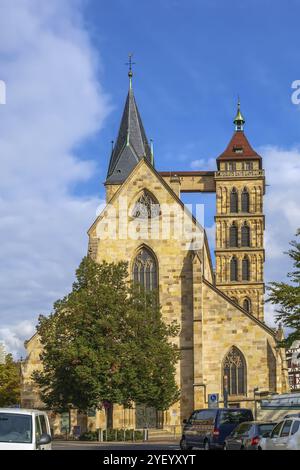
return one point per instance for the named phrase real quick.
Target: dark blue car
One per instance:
(208, 428)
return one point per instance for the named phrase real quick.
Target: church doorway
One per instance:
(148, 417)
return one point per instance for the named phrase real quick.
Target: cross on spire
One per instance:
(130, 64)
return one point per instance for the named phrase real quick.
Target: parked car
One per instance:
(22, 429)
(208, 428)
(285, 436)
(247, 436)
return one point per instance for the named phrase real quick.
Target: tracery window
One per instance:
(145, 270)
(146, 206)
(234, 372)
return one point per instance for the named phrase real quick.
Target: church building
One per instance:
(226, 347)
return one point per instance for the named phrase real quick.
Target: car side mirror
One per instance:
(44, 440)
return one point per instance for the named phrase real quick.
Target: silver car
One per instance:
(285, 436)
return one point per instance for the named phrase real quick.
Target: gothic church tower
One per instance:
(240, 186)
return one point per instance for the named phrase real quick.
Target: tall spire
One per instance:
(132, 144)
(239, 120)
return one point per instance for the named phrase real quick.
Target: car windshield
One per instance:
(15, 428)
(264, 428)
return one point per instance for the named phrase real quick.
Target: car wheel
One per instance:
(183, 445)
(206, 445)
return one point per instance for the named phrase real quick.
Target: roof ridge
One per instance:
(252, 317)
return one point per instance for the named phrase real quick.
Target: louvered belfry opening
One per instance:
(245, 235)
(233, 235)
(234, 206)
(247, 305)
(246, 269)
(245, 201)
(234, 269)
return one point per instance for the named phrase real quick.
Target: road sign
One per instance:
(213, 400)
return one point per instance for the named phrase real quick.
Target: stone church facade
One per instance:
(224, 342)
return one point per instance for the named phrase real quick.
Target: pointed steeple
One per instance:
(132, 144)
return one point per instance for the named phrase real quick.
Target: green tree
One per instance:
(287, 296)
(106, 340)
(9, 382)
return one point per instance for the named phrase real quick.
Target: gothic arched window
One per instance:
(145, 270)
(233, 235)
(247, 305)
(246, 269)
(234, 200)
(146, 206)
(245, 200)
(245, 235)
(234, 372)
(234, 269)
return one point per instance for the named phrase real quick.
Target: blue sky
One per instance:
(66, 87)
(192, 60)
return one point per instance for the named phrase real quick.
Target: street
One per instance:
(150, 445)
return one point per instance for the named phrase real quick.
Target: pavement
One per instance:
(84, 445)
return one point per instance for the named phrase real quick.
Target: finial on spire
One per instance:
(239, 120)
(130, 64)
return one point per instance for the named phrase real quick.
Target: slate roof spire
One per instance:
(132, 144)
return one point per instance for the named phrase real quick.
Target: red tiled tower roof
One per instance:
(239, 149)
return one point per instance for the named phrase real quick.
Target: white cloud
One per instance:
(54, 102)
(282, 211)
(203, 164)
(282, 207)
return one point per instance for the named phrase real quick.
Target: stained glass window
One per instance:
(145, 270)
(234, 372)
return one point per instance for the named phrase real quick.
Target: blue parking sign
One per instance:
(213, 400)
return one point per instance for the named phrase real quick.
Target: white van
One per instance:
(24, 430)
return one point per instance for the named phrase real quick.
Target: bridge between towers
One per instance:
(190, 181)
